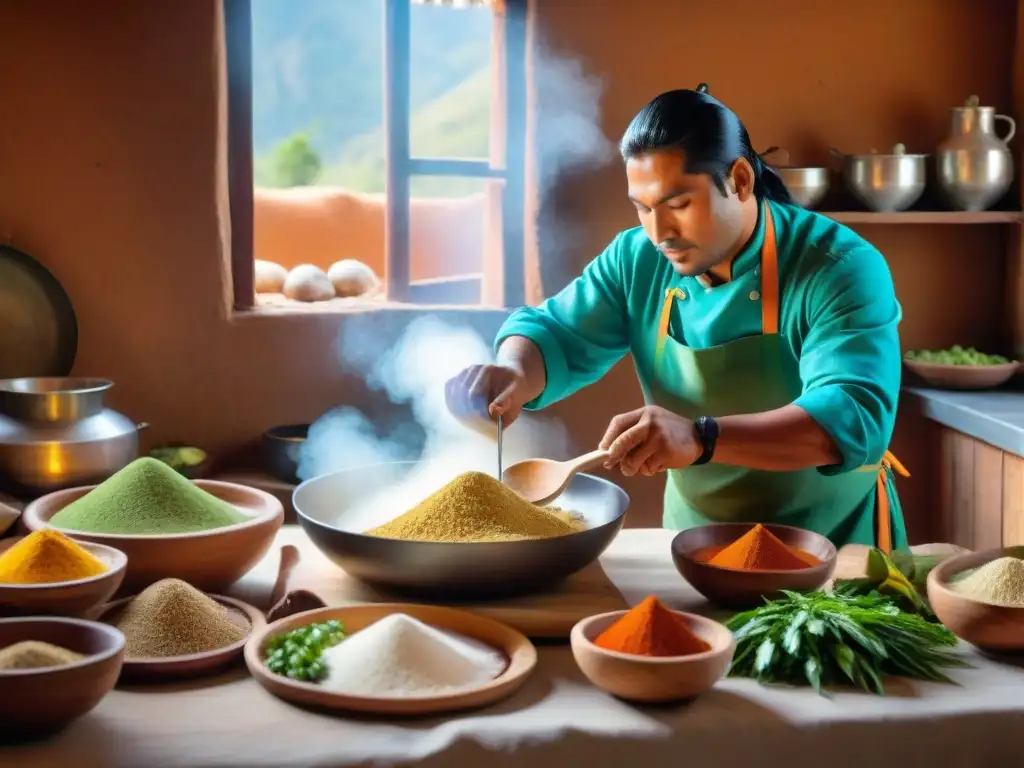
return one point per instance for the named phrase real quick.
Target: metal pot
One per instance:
(885, 183)
(56, 433)
(807, 186)
(975, 166)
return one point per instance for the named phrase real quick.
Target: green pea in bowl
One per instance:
(960, 368)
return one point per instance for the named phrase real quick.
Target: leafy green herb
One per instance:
(820, 639)
(296, 654)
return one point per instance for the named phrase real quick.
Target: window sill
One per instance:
(276, 306)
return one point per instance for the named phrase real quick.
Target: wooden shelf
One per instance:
(926, 217)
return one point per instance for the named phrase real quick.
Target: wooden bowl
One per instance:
(990, 627)
(963, 376)
(520, 652)
(746, 589)
(208, 560)
(647, 679)
(38, 702)
(192, 665)
(65, 598)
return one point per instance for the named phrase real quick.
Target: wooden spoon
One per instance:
(541, 481)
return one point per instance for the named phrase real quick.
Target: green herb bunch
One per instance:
(296, 654)
(821, 639)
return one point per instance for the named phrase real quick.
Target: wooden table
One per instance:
(558, 719)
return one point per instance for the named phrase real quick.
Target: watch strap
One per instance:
(707, 433)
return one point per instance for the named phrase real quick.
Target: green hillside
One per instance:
(318, 90)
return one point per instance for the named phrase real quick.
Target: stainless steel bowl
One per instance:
(885, 183)
(328, 508)
(807, 186)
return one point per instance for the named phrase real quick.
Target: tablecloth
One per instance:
(557, 719)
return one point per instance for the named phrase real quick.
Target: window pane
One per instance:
(451, 81)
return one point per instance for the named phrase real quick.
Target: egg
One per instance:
(270, 277)
(352, 278)
(308, 283)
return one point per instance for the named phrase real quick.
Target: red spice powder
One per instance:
(651, 629)
(758, 550)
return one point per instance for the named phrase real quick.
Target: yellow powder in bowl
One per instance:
(475, 507)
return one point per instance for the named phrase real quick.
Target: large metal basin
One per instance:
(332, 509)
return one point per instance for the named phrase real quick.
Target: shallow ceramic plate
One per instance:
(520, 653)
(38, 328)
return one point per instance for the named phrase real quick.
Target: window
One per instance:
(389, 131)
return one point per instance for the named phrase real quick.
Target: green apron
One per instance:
(751, 375)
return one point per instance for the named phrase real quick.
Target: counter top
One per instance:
(557, 719)
(993, 416)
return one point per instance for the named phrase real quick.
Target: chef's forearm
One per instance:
(522, 355)
(782, 440)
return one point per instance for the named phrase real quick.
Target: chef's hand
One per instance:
(494, 390)
(650, 440)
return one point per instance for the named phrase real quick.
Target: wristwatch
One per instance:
(707, 433)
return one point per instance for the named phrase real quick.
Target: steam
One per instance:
(413, 373)
(568, 138)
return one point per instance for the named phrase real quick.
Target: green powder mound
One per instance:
(146, 497)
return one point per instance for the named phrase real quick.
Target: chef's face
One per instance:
(691, 221)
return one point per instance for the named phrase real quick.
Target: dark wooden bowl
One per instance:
(746, 589)
(39, 702)
(990, 627)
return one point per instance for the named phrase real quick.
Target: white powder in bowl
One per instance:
(399, 656)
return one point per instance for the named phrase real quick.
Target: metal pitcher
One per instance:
(975, 166)
(57, 433)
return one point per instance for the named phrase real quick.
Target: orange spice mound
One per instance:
(651, 629)
(761, 550)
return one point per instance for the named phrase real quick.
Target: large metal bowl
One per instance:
(885, 183)
(331, 509)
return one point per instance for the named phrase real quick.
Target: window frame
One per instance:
(509, 31)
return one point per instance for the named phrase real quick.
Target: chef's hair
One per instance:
(709, 134)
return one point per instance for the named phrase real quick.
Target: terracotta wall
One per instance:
(111, 162)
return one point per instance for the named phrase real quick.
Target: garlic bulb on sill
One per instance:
(270, 277)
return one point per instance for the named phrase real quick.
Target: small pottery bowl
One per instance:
(746, 589)
(39, 702)
(281, 447)
(963, 376)
(653, 679)
(65, 598)
(990, 627)
(208, 560)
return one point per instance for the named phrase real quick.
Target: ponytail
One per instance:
(768, 184)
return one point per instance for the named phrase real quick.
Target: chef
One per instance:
(764, 336)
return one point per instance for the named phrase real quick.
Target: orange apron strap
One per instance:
(883, 507)
(769, 277)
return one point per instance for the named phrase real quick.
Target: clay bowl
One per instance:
(990, 627)
(746, 589)
(653, 680)
(963, 376)
(158, 669)
(281, 447)
(66, 598)
(39, 702)
(208, 560)
(519, 652)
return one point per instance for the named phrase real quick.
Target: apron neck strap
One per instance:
(769, 276)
